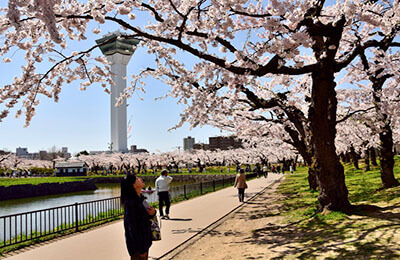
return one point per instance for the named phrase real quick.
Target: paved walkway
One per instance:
(108, 243)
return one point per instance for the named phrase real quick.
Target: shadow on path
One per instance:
(178, 219)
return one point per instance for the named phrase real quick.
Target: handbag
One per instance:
(155, 228)
(154, 225)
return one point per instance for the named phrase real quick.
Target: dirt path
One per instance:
(241, 235)
(258, 231)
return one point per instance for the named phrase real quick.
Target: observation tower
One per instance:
(118, 50)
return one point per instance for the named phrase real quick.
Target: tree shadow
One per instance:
(186, 230)
(178, 219)
(344, 240)
(373, 211)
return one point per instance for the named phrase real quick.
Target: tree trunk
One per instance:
(312, 179)
(366, 160)
(373, 156)
(354, 157)
(342, 157)
(387, 158)
(333, 193)
(305, 152)
(346, 157)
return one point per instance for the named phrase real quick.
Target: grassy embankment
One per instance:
(38, 180)
(369, 231)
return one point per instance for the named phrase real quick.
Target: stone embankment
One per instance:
(44, 189)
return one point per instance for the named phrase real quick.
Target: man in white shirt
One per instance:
(162, 187)
(265, 171)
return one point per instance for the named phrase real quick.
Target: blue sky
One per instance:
(80, 120)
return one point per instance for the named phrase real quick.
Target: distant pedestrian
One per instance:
(291, 169)
(265, 171)
(240, 184)
(259, 170)
(137, 214)
(162, 187)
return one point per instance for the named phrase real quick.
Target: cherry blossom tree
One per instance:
(381, 70)
(282, 119)
(15, 163)
(237, 46)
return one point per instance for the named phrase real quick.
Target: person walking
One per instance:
(162, 187)
(137, 214)
(265, 171)
(240, 184)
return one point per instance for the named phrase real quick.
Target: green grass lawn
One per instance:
(37, 180)
(368, 232)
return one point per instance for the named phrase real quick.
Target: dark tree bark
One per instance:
(354, 157)
(333, 193)
(342, 157)
(346, 158)
(373, 156)
(306, 152)
(387, 158)
(366, 160)
(312, 179)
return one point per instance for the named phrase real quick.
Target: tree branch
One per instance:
(353, 113)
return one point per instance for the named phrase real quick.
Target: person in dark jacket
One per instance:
(136, 218)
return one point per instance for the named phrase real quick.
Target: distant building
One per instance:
(135, 150)
(22, 152)
(65, 153)
(224, 142)
(42, 155)
(200, 146)
(99, 152)
(77, 168)
(188, 143)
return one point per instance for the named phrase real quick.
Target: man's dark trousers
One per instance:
(163, 198)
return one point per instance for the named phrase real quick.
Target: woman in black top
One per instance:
(136, 218)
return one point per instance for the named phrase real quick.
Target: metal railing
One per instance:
(22, 227)
(26, 226)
